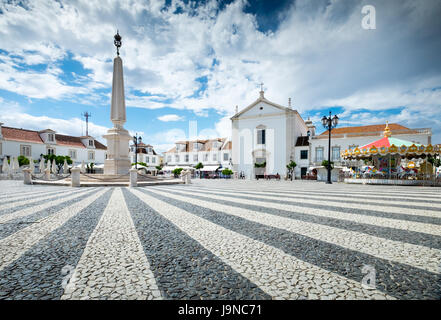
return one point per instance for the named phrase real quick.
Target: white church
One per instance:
(264, 135)
(267, 136)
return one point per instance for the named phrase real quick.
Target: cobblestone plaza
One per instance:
(228, 239)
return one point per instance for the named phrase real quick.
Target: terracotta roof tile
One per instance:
(21, 135)
(68, 141)
(368, 129)
(33, 136)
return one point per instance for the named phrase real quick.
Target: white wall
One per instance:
(12, 148)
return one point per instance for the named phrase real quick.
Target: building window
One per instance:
(260, 160)
(50, 137)
(261, 136)
(187, 157)
(90, 143)
(91, 155)
(168, 158)
(1, 149)
(50, 151)
(206, 157)
(176, 158)
(73, 154)
(153, 159)
(147, 159)
(225, 156)
(319, 154)
(196, 146)
(25, 150)
(335, 153)
(303, 154)
(214, 157)
(195, 157)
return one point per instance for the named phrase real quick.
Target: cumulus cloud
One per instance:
(319, 55)
(170, 117)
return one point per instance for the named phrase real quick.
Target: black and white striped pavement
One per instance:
(220, 240)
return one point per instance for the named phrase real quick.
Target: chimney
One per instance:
(237, 109)
(289, 103)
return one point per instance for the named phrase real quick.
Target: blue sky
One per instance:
(195, 61)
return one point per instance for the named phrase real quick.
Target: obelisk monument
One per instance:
(117, 161)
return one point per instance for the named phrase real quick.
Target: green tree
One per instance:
(177, 172)
(291, 166)
(199, 166)
(22, 161)
(260, 165)
(159, 168)
(325, 164)
(227, 172)
(59, 160)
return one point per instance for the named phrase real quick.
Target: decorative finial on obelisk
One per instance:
(118, 104)
(261, 90)
(117, 42)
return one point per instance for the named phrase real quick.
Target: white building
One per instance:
(145, 154)
(313, 149)
(212, 153)
(29, 143)
(265, 132)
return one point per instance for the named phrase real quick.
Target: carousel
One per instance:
(392, 161)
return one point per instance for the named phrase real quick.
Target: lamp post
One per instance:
(329, 123)
(136, 140)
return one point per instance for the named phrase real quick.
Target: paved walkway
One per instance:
(220, 240)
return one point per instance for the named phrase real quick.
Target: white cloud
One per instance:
(319, 55)
(170, 117)
(73, 127)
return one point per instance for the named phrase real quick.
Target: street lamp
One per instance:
(329, 123)
(136, 140)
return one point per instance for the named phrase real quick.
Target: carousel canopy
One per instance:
(390, 146)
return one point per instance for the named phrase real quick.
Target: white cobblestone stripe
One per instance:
(278, 274)
(9, 195)
(113, 264)
(15, 245)
(355, 190)
(339, 198)
(375, 221)
(379, 206)
(413, 255)
(32, 199)
(30, 210)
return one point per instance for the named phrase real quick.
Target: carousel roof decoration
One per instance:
(389, 145)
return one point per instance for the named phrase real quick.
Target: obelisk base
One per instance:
(118, 161)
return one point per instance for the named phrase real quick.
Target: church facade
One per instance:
(264, 135)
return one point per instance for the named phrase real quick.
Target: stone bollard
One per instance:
(133, 178)
(188, 178)
(75, 177)
(47, 174)
(27, 176)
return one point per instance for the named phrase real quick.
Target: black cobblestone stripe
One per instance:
(343, 197)
(38, 202)
(29, 197)
(37, 274)
(183, 269)
(17, 224)
(413, 237)
(396, 279)
(352, 211)
(414, 197)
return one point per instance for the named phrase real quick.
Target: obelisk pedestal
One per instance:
(117, 161)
